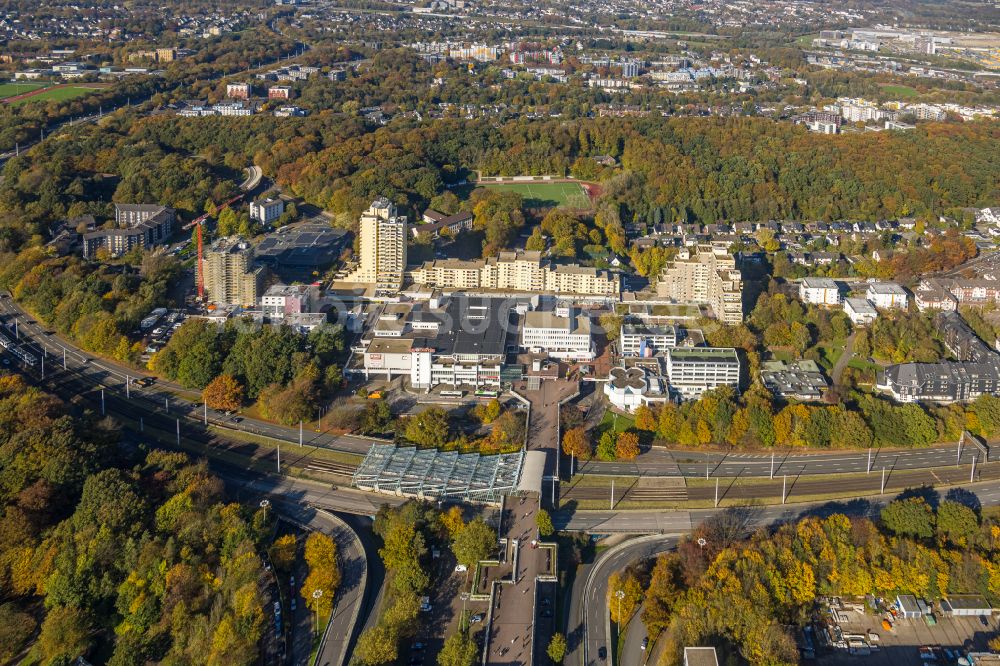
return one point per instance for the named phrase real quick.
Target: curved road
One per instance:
(657, 462)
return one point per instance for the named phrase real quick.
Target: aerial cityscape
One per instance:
(478, 333)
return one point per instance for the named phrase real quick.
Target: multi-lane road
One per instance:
(657, 462)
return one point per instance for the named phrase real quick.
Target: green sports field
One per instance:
(546, 195)
(900, 91)
(56, 94)
(11, 89)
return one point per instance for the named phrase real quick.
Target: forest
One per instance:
(117, 552)
(748, 596)
(688, 170)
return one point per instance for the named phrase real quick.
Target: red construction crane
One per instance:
(198, 223)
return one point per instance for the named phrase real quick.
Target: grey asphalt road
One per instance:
(657, 462)
(587, 629)
(632, 652)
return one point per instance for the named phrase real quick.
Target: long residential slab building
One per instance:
(523, 271)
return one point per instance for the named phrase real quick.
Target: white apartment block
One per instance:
(563, 336)
(517, 271)
(887, 295)
(642, 340)
(860, 311)
(694, 370)
(267, 211)
(819, 291)
(382, 235)
(706, 275)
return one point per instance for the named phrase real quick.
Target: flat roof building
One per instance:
(560, 336)
(819, 291)
(860, 311)
(266, 211)
(700, 656)
(887, 295)
(458, 341)
(301, 251)
(799, 380)
(517, 270)
(694, 370)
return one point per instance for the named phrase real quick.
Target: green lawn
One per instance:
(900, 91)
(614, 422)
(546, 195)
(57, 94)
(11, 89)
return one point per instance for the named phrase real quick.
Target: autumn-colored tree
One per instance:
(543, 521)
(452, 521)
(645, 418)
(223, 393)
(557, 648)
(324, 572)
(488, 412)
(282, 552)
(576, 442)
(627, 445)
(623, 606)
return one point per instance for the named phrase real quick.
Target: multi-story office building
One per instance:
(138, 225)
(517, 271)
(706, 275)
(268, 210)
(560, 335)
(642, 340)
(230, 276)
(382, 235)
(454, 342)
(694, 370)
(819, 291)
(887, 295)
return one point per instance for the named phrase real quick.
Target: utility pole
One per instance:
(166, 405)
(279, 458)
(972, 475)
(612, 494)
(102, 402)
(784, 484)
(178, 432)
(128, 395)
(716, 491)
(43, 363)
(958, 458)
(64, 358)
(206, 412)
(882, 490)
(300, 432)
(772, 466)
(869, 461)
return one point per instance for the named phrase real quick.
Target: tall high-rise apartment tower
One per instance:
(382, 236)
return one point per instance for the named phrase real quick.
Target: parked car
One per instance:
(645, 643)
(476, 619)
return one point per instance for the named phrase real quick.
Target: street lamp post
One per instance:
(316, 595)
(264, 504)
(620, 594)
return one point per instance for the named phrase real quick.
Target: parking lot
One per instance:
(901, 645)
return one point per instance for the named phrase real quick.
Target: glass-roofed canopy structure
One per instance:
(442, 475)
